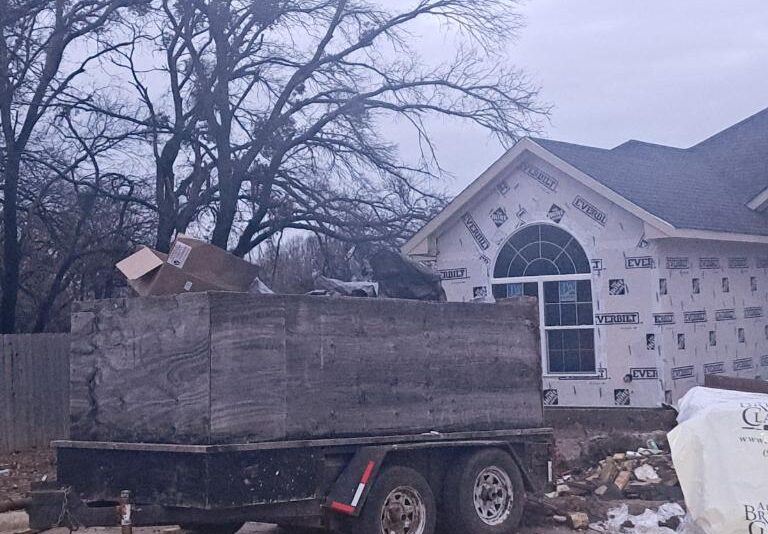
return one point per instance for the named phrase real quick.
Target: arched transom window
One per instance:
(546, 262)
(541, 250)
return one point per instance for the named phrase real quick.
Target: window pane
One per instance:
(530, 251)
(556, 361)
(586, 339)
(571, 361)
(587, 361)
(584, 312)
(499, 291)
(568, 291)
(565, 265)
(554, 235)
(504, 261)
(555, 339)
(541, 267)
(531, 289)
(568, 314)
(551, 292)
(525, 236)
(549, 251)
(576, 253)
(570, 339)
(552, 315)
(514, 290)
(582, 263)
(584, 290)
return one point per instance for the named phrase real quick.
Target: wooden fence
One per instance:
(34, 390)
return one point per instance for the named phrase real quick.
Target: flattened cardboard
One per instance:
(140, 263)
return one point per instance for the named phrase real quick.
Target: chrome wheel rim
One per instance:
(404, 512)
(493, 495)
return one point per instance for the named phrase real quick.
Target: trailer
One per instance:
(362, 416)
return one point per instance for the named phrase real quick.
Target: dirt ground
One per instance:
(24, 468)
(257, 528)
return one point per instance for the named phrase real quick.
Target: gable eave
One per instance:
(759, 202)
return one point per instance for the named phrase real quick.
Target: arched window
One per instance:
(541, 250)
(547, 262)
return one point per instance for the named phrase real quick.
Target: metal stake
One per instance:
(124, 510)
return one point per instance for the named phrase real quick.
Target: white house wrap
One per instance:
(650, 262)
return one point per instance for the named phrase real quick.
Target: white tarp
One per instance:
(720, 452)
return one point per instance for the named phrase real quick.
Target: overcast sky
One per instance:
(663, 71)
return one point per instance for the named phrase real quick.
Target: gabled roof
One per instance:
(705, 187)
(714, 186)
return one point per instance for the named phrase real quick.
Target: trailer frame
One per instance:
(322, 483)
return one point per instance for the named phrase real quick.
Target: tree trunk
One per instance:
(57, 286)
(166, 224)
(11, 247)
(227, 211)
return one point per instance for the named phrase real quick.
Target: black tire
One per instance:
(500, 494)
(393, 486)
(212, 528)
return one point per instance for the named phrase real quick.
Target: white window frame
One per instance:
(539, 280)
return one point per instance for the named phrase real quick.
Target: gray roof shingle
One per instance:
(704, 187)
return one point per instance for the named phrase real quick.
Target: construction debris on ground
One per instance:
(639, 487)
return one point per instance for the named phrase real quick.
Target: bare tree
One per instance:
(274, 112)
(289, 264)
(37, 65)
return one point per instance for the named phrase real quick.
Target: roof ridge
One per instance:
(645, 143)
(733, 127)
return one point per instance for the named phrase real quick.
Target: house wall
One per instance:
(719, 309)
(635, 356)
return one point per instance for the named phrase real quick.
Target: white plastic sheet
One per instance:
(720, 452)
(645, 523)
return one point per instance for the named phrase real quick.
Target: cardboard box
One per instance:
(191, 266)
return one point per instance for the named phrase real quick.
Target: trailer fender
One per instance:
(350, 490)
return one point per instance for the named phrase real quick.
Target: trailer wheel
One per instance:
(400, 502)
(484, 494)
(212, 528)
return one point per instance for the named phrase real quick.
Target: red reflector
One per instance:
(367, 473)
(341, 507)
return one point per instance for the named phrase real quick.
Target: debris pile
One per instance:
(19, 469)
(639, 487)
(646, 473)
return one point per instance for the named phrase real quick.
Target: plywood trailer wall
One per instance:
(230, 367)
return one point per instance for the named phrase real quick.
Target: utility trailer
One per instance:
(355, 415)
